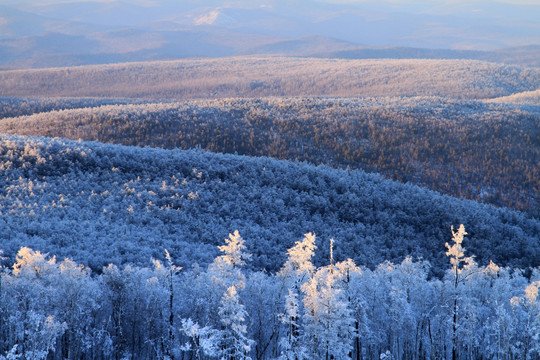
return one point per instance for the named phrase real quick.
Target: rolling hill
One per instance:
(99, 203)
(527, 56)
(524, 98)
(480, 151)
(258, 76)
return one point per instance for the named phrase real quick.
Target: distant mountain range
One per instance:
(78, 33)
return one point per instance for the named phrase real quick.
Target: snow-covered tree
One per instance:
(226, 269)
(11, 354)
(262, 298)
(77, 300)
(235, 343)
(202, 340)
(291, 344)
(296, 271)
(32, 264)
(532, 304)
(169, 272)
(462, 267)
(234, 250)
(328, 320)
(299, 257)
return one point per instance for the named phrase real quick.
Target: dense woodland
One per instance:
(470, 149)
(99, 204)
(51, 309)
(13, 107)
(259, 76)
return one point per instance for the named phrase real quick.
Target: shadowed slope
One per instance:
(107, 203)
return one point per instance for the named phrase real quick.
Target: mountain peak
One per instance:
(214, 17)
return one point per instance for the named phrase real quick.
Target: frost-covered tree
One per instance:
(291, 345)
(226, 270)
(202, 340)
(348, 277)
(32, 264)
(235, 343)
(37, 328)
(169, 272)
(41, 335)
(296, 271)
(3, 308)
(328, 321)
(532, 304)
(262, 298)
(234, 250)
(76, 298)
(462, 267)
(11, 354)
(299, 257)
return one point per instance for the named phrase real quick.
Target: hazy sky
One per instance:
(454, 24)
(401, 2)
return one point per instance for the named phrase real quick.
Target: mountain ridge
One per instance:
(453, 27)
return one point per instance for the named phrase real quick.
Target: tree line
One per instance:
(53, 309)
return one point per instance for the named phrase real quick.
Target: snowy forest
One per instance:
(98, 204)
(144, 273)
(269, 207)
(457, 147)
(52, 309)
(263, 76)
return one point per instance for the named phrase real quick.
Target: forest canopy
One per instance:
(262, 76)
(470, 149)
(339, 310)
(100, 204)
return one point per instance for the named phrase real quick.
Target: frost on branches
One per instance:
(60, 310)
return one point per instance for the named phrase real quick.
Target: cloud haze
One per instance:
(77, 31)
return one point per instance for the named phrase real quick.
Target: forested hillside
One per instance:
(101, 203)
(274, 76)
(524, 98)
(521, 56)
(12, 107)
(484, 152)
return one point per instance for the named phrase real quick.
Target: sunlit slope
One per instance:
(274, 76)
(100, 203)
(12, 107)
(524, 98)
(485, 152)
